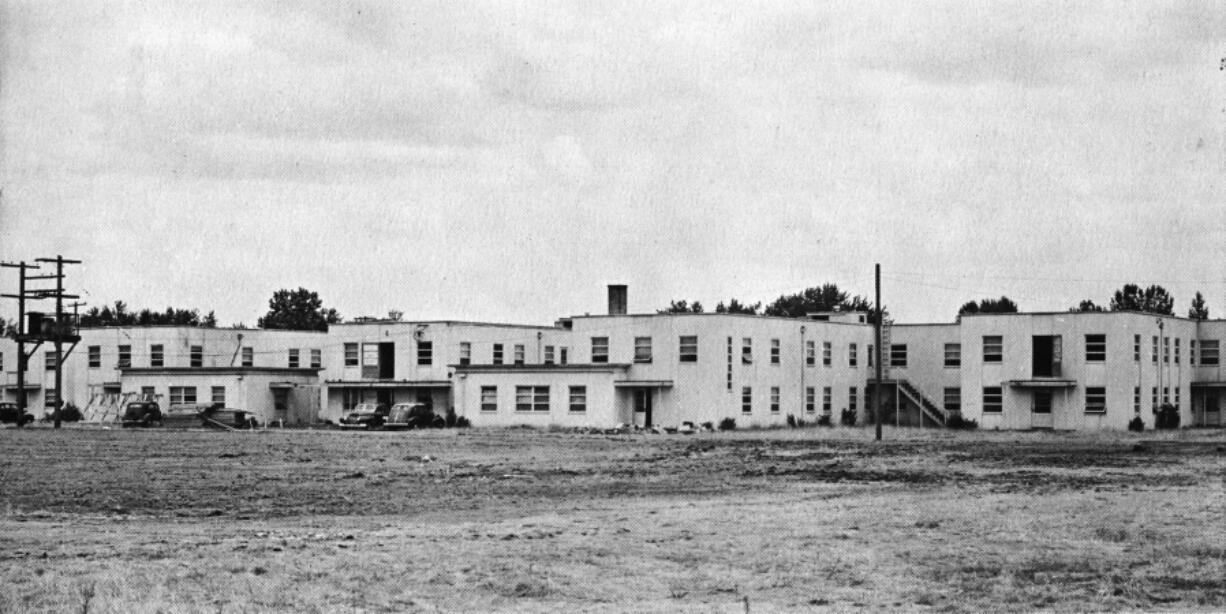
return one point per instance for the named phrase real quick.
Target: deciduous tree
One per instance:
(299, 309)
(1153, 299)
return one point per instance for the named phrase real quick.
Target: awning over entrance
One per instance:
(1042, 383)
(280, 385)
(29, 386)
(388, 384)
(1219, 385)
(644, 383)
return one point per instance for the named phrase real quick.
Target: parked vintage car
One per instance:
(413, 416)
(10, 415)
(142, 413)
(365, 416)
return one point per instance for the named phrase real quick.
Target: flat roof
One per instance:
(442, 322)
(220, 370)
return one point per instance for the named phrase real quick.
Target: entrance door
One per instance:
(642, 406)
(1040, 415)
(383, 396)
(1046, 355)
(387, 361)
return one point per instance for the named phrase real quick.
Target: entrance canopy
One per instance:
(644, 383)
(1042, 383)
(1218, 385)
(388, 384)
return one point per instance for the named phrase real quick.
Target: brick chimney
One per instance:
(617, 299)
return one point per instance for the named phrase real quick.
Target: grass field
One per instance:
(519, 520)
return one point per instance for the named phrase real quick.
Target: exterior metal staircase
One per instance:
(936, 413)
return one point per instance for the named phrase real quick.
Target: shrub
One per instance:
(1168, 417)
(708, 426)
(70, 413)
(462, 422)
(823, 420)
(1136, 425)
(792, 421)
(451, 417)
(727, 424)
(956, 421)
(848, 418)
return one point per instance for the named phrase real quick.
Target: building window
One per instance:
(578, 399)
(827, 400)
(197, 356)
(870, 355)
(50, 359)
(317, 358)
(425, 353)
(992, 400)
(1153, 357)
(953, 399)
(810, 399)
(810, 353)
(95, 358)
(1153, 402)
(532, 398)
(518, 353)
(851, 355)
(351, 355)
(993, 350)
(1176, 350)
(1177, 389)
(148, 393)
(600, 349)
(642, 350)
(2, 362)
(219, 395)
(49, 399)
(249, 355)
(1096, 348)
(953, 354)
(774, 399)
(1166, 395)
(496, 357)
(489, 398)
(1096, 400)
(1136, 399)
(689, 349)
(774, 351)
(827, 353)
(898, 355)
(466, 353)
(549, 353)
(125, 356)
(293, 358)
(1192, 352)
(1136, 348)
(747, 350)
(157, 356)
(1166, 349)
(182, 395)
(563, 355)
(1209, 352)
(747, 400)
(852, 402)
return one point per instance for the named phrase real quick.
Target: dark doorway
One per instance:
(1046, 355)
(387, 361)
(1042, 402)
(642, 404)
(383, 396)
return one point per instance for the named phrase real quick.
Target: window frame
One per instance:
(993, 349)
(247, 356)
(827, 354)
(747, 350)
(496, 354)
(486, 405)
(996, 407)
(898, 355)
(353, 356)
(294, 358)
(1096, 399)
(317, 358)
(810, 353)
(775, 397)
(425, 353)
(853, 355)
(1210, 353)
(195, 356)
(600, 350)
(746, 400)
(182, 395)
(213, 395)
(810, 399)
(123, 357)
(579, 393)
(532, 398)
(94, 353)
(157, 355)
(953, 356)
(518, 354)
(776, 348)
(642, 350)
(952, 400)
(1096, 347)
(687, 348)
(827, 400)
(466, 352)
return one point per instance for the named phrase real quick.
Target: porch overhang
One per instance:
(29, 386)
(600, 367)
(644, 383)
(1208, 385)
(1042, 383)
(383, 383)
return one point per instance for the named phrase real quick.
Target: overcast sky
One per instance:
(504, 162)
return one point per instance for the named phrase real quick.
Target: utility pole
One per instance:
(22, 359)
(58, 330)
(880, 358)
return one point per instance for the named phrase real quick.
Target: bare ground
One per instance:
(520, 520)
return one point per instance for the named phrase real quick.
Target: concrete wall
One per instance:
(602, 410)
